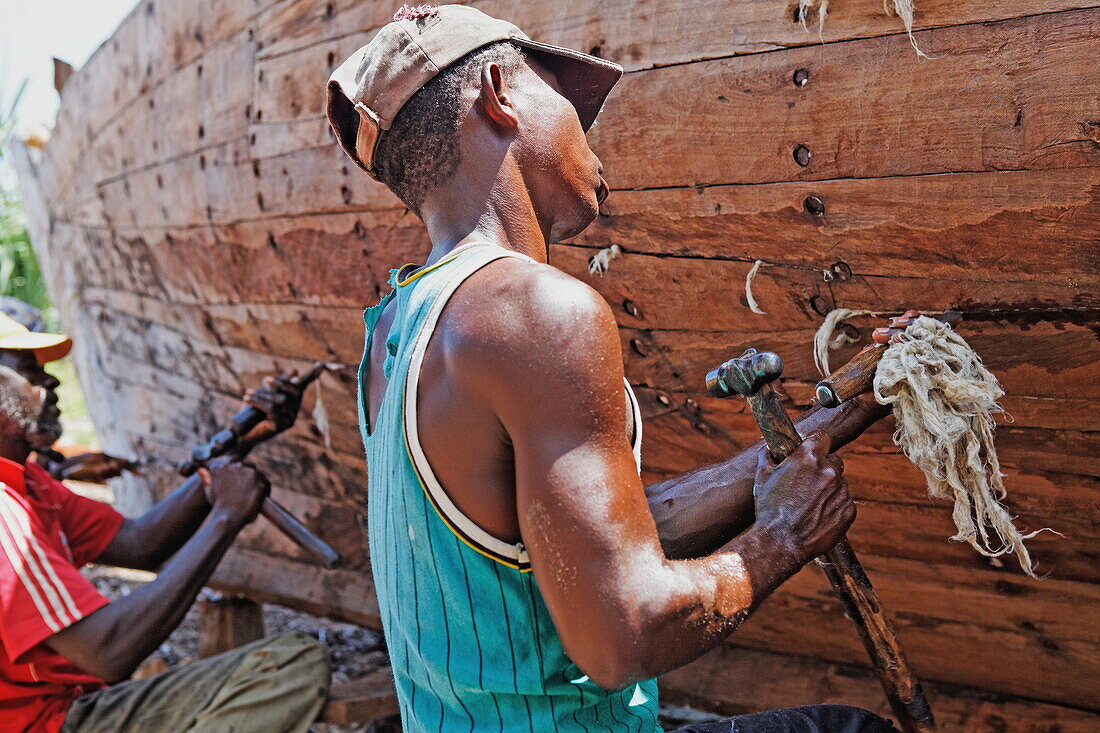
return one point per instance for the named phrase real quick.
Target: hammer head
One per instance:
(745, 375)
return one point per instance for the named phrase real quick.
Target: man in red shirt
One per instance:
(62, 643)
(20, 322)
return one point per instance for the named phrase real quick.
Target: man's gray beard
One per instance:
(45, 432)
(41, 430)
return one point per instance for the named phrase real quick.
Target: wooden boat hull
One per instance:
(200, 229)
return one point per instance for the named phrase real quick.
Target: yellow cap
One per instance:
(46, 346)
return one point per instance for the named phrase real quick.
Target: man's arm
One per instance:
(111, 642)
(145, 543)
(699, 511)
(552, 372)
(94, 467)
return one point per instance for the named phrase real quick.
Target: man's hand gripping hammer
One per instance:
(751, 376)
(229, 440)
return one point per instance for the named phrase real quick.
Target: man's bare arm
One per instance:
(110, 642)
(552, 372)
(146, 542)
(699, 511)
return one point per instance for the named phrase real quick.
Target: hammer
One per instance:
(751, 376)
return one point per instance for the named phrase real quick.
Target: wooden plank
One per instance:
(678, 359)
(902, 108)
(226, 623)
(344, 595)
(289, 256)
(665, 289)
(222, 185)
(962, 626)
(296, 332)
(364, 700)
(640, 34)
(953, 225)
(738, 680)
(1026, 112)
(1012, 106)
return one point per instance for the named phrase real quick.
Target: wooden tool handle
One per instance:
(852, 379)
(295, 530)
(853, 587)
(857, 596)
(858, 376)
(775, 424)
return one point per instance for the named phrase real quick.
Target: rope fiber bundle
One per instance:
(944, 400)
(904, 9)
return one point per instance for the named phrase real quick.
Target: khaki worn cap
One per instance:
(366, 92)
(46, 346)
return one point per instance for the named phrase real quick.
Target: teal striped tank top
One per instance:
(471, 642)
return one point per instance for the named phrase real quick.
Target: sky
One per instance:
(32, 32)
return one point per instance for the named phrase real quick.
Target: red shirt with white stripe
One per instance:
(46, 534)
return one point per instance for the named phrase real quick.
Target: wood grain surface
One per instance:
(199, 229)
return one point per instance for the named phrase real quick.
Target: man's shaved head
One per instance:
(421, 150)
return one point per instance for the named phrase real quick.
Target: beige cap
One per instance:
(366, 92)
(46, 346)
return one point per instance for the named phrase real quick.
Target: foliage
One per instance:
(19, 273)
(20, 277)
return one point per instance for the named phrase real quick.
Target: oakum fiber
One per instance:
(944, 400)
(902, 8)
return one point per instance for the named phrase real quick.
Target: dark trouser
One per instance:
(806, 719)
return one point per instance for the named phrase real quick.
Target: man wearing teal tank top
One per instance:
(527, 580)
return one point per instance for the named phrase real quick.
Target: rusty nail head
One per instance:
(664, 399)
(639, 346)
(631, 307)
(801, 76)
(813, 205)
(802, 155)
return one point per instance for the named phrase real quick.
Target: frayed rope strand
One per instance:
(824, 341)
(944, 400)
(904, 9)
(602, 260)
(822, 12)
(753, 305)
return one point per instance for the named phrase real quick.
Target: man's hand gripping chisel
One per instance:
(235, 438)
(751, 375)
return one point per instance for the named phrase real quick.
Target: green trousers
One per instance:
(275, 685)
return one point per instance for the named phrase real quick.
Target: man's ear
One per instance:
(495, 100)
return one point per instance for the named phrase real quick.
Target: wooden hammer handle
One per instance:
(861, 604)
(853, 587)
